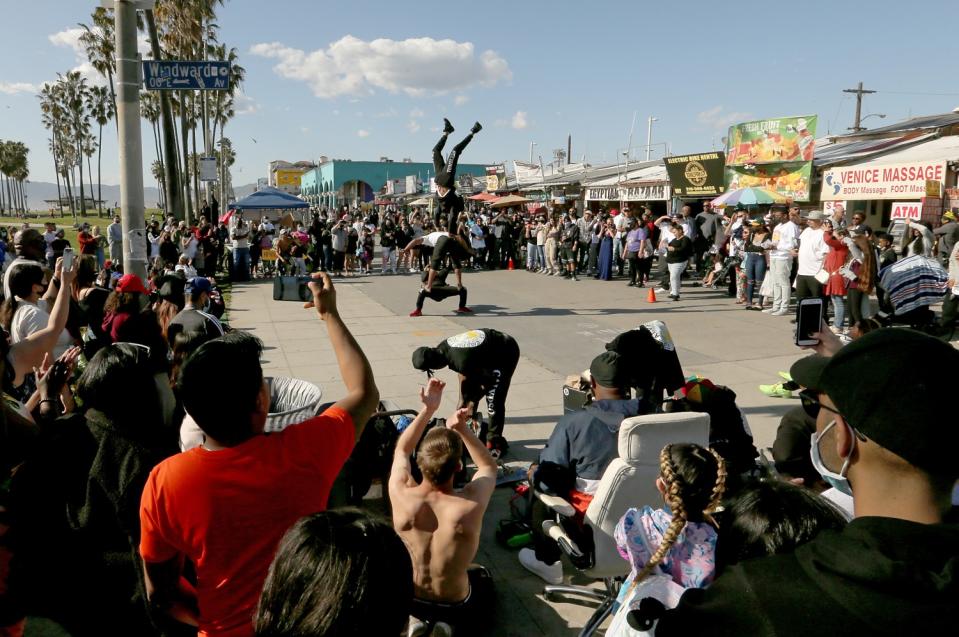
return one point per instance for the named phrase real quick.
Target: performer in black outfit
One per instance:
(485, 360)
(440, 292)
(450, 203)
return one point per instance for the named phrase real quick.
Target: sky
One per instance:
(363, 79)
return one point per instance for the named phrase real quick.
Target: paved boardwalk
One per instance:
(560, 325)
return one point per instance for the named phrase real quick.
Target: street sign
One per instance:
(208, 169)
(174, 75)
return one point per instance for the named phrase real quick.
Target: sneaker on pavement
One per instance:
(463, 310)
(662, 291)
(775, 391)
(786, 376)
(416, 313)
(770, 310)
(779, 313)
(550, 573)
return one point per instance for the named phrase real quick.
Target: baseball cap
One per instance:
(915, 421)
(609, 370)
(130, 283)
(196, 285)
(815, 215)
(949, 214)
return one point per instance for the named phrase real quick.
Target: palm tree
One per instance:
(50, 116)
(6, 165)
(20, 172)
(75, 101)
(156, 168)
(100, 45)
(101, 108)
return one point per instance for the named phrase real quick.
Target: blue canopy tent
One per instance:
(266, 199)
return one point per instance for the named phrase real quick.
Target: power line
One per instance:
(918, 93)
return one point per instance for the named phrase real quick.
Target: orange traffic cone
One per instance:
(651, 296)
(511, 266)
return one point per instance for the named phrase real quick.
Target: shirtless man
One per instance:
(440, 527)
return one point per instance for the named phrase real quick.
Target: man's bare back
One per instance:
(440, 527)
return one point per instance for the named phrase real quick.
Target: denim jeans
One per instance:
(755, 272)
(530, 255)
(675, 277)
(839, 310)
(241, 264)
(540, 256)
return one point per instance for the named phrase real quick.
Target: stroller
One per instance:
(907, 288)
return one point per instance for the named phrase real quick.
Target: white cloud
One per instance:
(70, 39)
(519, 121)
(362, 133)
(243, 104)
(716, 119)
(416, 113)
(413, 126)
(14, 88)
(416, 66)
(386, 114)
(460, 100)
(304, 129)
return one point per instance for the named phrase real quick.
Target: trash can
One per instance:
(291, 401)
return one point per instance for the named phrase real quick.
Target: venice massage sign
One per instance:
(881, 181)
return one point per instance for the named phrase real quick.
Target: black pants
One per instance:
(467, 617)
(546, 548)
(593, 256)
(496, 396)
(582, 257)
(447, 247)
(440, 293)
(338, 260)
(448, 166)
(854, 305)
(633, 258)
(950, 308)
(808, 287)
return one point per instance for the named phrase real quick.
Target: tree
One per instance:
(51, 116)
(99, 42)
(156, 169)
(75, 104)
(101, 105)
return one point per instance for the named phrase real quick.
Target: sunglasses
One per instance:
(811, 405)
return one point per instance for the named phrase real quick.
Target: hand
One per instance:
(67, 276)
(324, 296)
(432, 394)
(458, 421)
(828, 345)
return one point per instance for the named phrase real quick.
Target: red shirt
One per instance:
(227, 510)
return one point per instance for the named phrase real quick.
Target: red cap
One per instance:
(130, 283)
(108, 264)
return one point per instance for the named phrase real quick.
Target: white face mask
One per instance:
(838, 481)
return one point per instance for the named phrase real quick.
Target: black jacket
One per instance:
(879, 576)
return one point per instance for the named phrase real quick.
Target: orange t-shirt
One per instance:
(227, 510)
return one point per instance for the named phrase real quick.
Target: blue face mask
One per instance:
(838, 481)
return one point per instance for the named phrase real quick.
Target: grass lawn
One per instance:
(66, 223)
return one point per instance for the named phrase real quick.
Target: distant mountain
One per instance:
(39, 191)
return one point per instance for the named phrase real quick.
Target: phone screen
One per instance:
(808, 321)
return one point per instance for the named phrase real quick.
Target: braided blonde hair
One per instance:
(677, 493)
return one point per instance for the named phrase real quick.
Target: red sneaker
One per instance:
(416, 313)
(463, 310)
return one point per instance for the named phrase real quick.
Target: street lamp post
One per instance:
(649, 134)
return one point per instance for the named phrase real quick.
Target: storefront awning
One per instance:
(649, 183)
(900, 175)
(847, 150)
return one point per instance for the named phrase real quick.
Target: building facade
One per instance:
(286, 175)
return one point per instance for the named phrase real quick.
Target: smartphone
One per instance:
(67, 259)
(808, 321)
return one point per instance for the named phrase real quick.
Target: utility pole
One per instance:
(649, 134)
(131, 150)
(859, 91)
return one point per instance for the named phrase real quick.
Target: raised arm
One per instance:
(483, 483)
(29, 352)
(413, 243)
(362, 397)
(430, 397)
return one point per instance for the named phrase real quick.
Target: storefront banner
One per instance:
(791, 180)
(771, 141)
(906, 210)
(643, 192)
(881, 181)
(697, 175)
(829, 207)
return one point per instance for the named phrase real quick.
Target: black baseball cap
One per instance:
(609, 370)
(894, 385)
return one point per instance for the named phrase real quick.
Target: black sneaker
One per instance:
(477, 127)
(447, 127)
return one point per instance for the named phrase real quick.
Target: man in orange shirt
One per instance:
(225, 505)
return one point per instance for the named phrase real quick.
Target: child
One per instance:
(184, 266)
(365, 251)
(710, 280)
(670, 549)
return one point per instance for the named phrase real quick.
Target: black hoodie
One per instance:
(878, 576)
